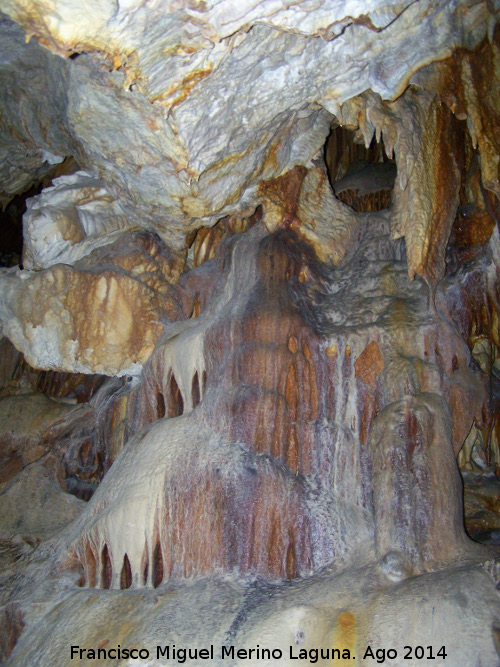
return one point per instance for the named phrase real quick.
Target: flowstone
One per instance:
(250, 350)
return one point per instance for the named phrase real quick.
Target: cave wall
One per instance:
(249, 372)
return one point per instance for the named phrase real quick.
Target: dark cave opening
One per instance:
(195, 391)
(11, 214)
(175, 402)
(362, 178)
(126, 574)
(106, 568)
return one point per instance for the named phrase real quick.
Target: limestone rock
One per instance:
(480, 72)
(290, 385)
(23, 421)
(426, 191)
(468, 82)
(303, 200)
(369, 364)
(481, 506)
(256, 451)
(404, 440)
(102, 315)
(31, 75)
(34, 502)
(105, 323)
(179, 147)
(253, 515)
(329, 225)
(69, 220)
(422, 134)
(247, 359)
(205, 604)
(441, 619)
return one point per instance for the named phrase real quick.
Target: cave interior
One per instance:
(249, 332)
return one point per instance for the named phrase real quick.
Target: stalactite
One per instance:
(291, 397)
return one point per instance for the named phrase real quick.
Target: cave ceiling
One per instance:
(179, 114)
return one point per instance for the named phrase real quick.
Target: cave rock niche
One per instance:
(361, 177)
(244, 415)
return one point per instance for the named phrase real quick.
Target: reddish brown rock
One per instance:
(11, 626)
(369, 364)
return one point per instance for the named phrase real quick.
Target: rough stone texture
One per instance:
(191, 145)
(23, 420)
(481, 499)
(290, 383)
(34, 503)
(183, 164)
(69, 220)
(30, 75)
(302, 334)
(426, 205)
(101, 315)
(317, 208)
(212, 508)
(300, 419)
(112, 329)
(465, 80)
(409, 442)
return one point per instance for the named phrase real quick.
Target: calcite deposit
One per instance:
(250, 346)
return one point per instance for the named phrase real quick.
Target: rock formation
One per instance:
(250, 353)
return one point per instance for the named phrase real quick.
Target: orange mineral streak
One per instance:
(293, 345)
(369, 411)
(369, 364)
(180, 91)
(345, 636)
(252, 521)
(274, 401)
(445, 144)
(11, 626)
(291, 392)
(205, 240)
(283, 192)
(346, 624)
(331, 351)
(247, 437)
(468, 82)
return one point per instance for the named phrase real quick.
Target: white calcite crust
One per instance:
(184, 107)
(69, 220)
